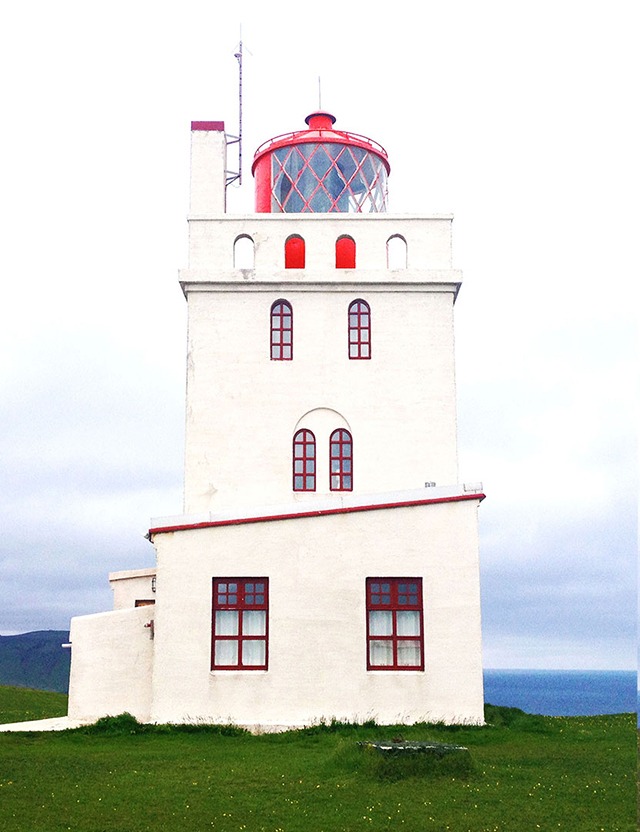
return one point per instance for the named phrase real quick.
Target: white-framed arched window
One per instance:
(396, 252)
(243, 252)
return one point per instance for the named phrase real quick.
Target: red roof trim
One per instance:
(217, 126)
(319, 513)
(321, 135)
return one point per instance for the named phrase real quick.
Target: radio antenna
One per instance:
(319, 94)
(233, 177)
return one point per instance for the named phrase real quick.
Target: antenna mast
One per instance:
(233, 177)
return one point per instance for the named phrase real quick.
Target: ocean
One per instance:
(563, 692)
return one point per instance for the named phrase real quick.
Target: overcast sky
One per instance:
(518, 118)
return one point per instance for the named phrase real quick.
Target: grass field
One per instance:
(522, 773)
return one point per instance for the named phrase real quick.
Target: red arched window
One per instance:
(345, 253)
(359, 329)
(341, 460)
(294, 252)
(304, 461)
(281, 331)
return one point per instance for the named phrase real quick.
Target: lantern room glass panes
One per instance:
(327, 177)
(395, 639)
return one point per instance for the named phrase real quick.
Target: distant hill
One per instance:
(36, 660)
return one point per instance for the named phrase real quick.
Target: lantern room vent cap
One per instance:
(320, 120)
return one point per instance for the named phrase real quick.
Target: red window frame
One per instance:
(341, 460)
(395, 641)
(345, 252)
(359, 318)
(281, 331)
(241, 596)
(304, 461)
(294, 252)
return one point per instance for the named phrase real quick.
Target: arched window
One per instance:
(243, 252)
(281, 331)
(359, 329)
(304, 461)
(396, 252)
(345, 252)
(341, 460)
(294, 252)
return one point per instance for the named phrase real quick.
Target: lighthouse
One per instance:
(325, 561)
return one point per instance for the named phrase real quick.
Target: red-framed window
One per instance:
(304, 461)
(395, 629)
(359, 329)
(240, 628)
(341, 460)
(281, 331)
(294, 252)
(345, 252)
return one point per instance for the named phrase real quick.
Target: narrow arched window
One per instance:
(359, 329)
(243, 252)
(341, 460)
(396, 252)
(345, 252)
(294, 252)
(304, 461)
(281, 331)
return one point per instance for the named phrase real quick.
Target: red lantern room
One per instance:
(320, 170)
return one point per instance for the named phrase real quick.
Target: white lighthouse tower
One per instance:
(325, 564)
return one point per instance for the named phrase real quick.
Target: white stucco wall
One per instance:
(131, 586)
(317, 568)
(111, 664)
(243, 408)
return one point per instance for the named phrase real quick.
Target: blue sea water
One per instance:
(563, 692)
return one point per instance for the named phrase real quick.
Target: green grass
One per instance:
(523, 773)
(24, 704)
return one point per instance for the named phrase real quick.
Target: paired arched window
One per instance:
(304, 461)
(359, 329)
(281, 331)
(340, 461)
(294, 252)
(345, 252)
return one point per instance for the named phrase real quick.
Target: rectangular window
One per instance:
(240, 624)
(395, 635)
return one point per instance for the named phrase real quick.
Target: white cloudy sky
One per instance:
(519, 118)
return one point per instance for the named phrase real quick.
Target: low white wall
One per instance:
(111, 664)
(131, 586)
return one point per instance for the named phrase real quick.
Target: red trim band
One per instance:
(239, 521)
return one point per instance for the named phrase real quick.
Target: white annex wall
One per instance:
(317, 568)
